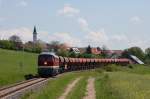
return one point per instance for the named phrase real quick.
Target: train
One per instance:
(50, 64)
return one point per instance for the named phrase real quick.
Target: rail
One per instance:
(4, 92)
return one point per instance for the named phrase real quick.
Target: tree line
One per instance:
(15, 43)
(137, 51)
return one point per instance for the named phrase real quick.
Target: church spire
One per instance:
(34, 31)
(34, 35)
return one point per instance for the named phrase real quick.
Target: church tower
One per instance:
(34, 35)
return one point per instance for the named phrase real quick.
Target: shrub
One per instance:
(130, 66)
(111, 68)
(99, 70)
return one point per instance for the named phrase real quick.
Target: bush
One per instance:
(130, 66)
(111, 68)
(99, 70)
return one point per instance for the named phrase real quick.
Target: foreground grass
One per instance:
(78, 92)
(54, 88)
(129, 85)
(15, 65)
(122, 83)
(103, 90)
(139, 69)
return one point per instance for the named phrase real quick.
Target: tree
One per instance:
(15, 38)
(7, 44)
(85, 55)
(41, 44)
(54, 46)
(88, 49)
(147, 55)
(125, 54)
(137, 51)
(72, 54)
(32, 47)
(17, 42)
(99, 49)
(104, 52)
(63, 53)
(147, 52)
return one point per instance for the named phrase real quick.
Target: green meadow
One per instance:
(14, 65)
(115, 82)
(111, 82)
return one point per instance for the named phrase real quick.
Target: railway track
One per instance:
(9, 92)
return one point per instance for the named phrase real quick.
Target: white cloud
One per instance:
(62, 37)
(22, 3)
(97, 37)
(68, 10)
(83, 24)
(65, 37)
(135, 19)
(140, 43)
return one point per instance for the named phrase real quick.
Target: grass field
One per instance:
(120, 83)
(55, 87)
(15, 64)
(130, 86)
(112, 82)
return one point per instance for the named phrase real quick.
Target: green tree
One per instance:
(85, 55)
(5, 44)
(54, 46)
(32, 47)
(147, 55)
(125, 54)
(72, 54)
(17, 42)
(63, 53)
(137, 51)
(88, 49)
(15, 38)
(104, 53)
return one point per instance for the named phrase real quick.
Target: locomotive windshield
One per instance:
(45, 60)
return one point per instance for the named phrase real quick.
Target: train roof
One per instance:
(49, 53)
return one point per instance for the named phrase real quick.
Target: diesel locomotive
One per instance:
(50, 64)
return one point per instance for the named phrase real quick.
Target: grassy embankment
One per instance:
(111, 83)
(14, 65)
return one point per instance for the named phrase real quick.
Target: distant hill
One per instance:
(15, 64)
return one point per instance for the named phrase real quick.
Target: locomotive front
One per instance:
(48, 64)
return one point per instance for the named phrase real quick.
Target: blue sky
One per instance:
(118, 24)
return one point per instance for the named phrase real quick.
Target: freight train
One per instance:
(50, 64)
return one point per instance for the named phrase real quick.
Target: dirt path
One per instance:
(69, 88)
(90, 89)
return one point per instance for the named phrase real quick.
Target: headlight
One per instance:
(45, 63)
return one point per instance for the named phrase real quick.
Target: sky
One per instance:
(117, 24)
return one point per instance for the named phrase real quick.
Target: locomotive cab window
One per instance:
(45, 60)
